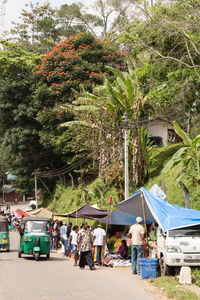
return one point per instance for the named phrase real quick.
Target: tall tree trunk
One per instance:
(189, 120)
(72, 180)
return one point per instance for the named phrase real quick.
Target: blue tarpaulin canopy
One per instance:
(167, 215)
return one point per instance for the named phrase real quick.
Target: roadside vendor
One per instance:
(123, 249)
(136, 232)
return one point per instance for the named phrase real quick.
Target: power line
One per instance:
(60, 172)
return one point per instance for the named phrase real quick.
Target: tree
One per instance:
(79, 61)
(21, 150)
(103, 111)
(37, 29)
(187, 157)
(166, 46)
(74, 18)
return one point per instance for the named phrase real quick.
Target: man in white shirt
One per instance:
(99, 237)
(136, 232)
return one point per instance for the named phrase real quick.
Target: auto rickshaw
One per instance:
(4, 234)
(35, 237)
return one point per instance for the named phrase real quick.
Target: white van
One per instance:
(178, 247)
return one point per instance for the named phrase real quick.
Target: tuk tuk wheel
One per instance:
(19, 254)
(8, 250)
(48, 255)
(37, 256)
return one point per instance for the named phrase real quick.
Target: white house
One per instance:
(161, 131)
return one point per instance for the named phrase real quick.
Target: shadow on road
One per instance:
(5, 251)
(43, 258)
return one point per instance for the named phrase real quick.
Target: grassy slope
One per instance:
(68, 199)
(175, 194)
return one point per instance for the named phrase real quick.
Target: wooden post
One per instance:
(145, 251)
(107, 223)
(144, 214)
(36, 196)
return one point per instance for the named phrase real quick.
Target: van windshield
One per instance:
(186, 231)
(36, 226)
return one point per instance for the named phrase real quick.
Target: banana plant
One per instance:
(187, 157)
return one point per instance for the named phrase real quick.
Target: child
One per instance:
(73, 240)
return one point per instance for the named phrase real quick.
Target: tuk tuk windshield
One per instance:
(36, 226)
(3, 227)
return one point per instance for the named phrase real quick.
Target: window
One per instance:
(156, 141)
(37, 226)
(186, 231)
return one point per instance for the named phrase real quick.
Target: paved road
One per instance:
(57, 279)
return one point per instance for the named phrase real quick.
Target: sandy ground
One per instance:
(58, 279)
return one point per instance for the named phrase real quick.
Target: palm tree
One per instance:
(187, 157)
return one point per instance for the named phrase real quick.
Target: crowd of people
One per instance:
(87, 244)
(13, 221)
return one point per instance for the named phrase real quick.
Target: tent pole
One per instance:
(76, 217)
(105, 241)
(144, 215)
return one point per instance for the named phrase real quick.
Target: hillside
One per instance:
(68, 199)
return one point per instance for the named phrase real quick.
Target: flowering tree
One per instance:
(78, 62)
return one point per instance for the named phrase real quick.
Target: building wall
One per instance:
(10, 197)
(159, 128)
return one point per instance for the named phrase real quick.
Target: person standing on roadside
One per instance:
(136, 232)
(55, 235)
(69, 230)
(99, 237)
(84, 245)
(73, 242)
(63, 238)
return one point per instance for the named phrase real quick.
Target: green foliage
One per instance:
(175, 195)
(166, 50)
(21, 151)
(69, 199)
(173, 290)
(146, 149)
(188, 156)
(196, 276)
(76, 63)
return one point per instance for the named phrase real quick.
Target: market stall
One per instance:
(19, 214)
(167, 215)
(45, 213)
(86, 212)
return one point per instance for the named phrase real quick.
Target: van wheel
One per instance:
(37, 256)
(164, 268)
(19, 254)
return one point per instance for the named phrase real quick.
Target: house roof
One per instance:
(9, 189)
(11, 177)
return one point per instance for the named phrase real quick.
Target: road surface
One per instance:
(57, 279)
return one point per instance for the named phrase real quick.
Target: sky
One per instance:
(13, 8)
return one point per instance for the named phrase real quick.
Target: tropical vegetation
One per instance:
(69, 75)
